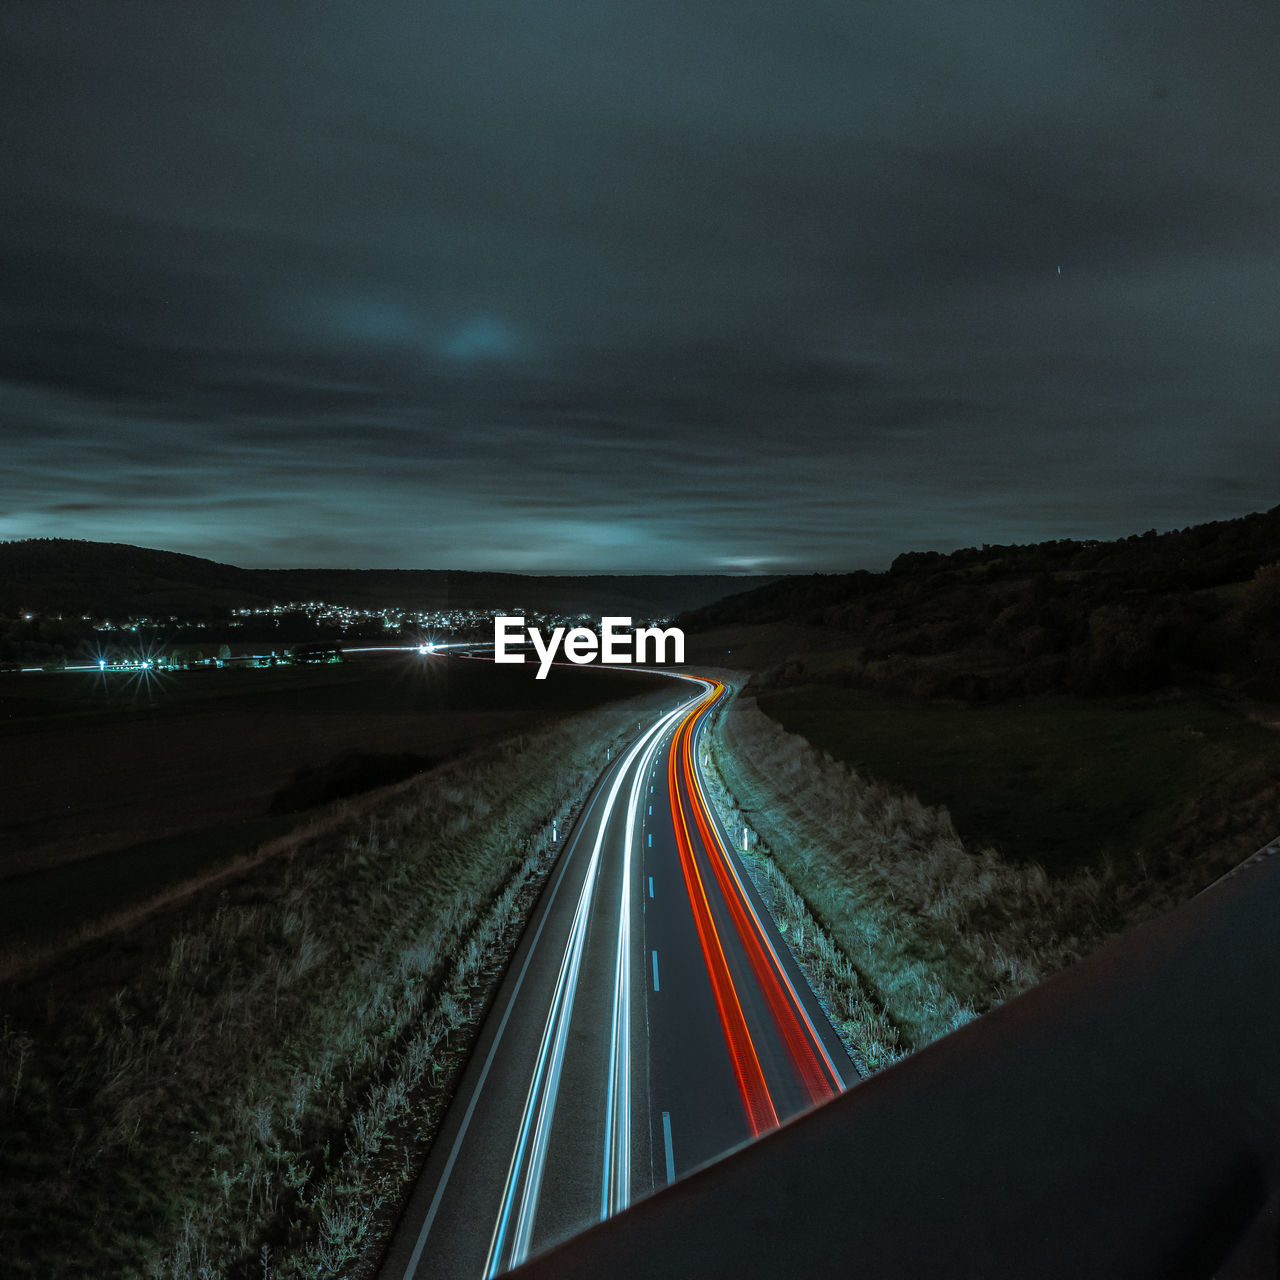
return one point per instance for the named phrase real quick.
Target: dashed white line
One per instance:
(655, 972)
(666, 1142)
(615, 1192)
(513, 1231)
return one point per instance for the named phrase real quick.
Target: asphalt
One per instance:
(1121, 1121)
(685, 1104)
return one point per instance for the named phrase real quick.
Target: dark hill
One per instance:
(107, 579)
(642, 595)
(1137, 613)
(113, 579)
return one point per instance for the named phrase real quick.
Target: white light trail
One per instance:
(615, 1191)
(513, 1231)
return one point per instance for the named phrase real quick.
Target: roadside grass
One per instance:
(1064, 782)
(858, 1018)
(831, 836)
(114, 792)
(38, 908)
(935, 931)
(234, 1087)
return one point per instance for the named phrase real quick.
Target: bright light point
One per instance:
(423, 648)
(102, 664)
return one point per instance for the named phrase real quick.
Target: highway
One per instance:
(650, 1021)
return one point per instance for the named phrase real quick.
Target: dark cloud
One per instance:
(624, 287)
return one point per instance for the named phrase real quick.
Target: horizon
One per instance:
(745, 573)
(587, 291)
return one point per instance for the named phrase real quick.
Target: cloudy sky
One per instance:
(611, 285)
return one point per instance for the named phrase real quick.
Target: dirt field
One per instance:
(109, 787)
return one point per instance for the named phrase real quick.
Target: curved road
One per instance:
(652, 1019)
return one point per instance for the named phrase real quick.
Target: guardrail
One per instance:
(1120, 1120)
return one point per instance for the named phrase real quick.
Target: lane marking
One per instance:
(651, 886)
(540, 1102)
(666, 1142)
(561, 874)
(441, 1186)
(650, 839)
(772, 978)
(615, 1183)
(655, 972)
(753, 1089)
(528, 1160)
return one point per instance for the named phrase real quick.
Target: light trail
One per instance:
(795, 1003)
(513, 1230)
(802, 1043)
(753, 1090)
(421, 1241)
(760, 1017)
(810, 1061)
(615, 1193)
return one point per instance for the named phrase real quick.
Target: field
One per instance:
(244, 1082)
(954, 856)
(114, 789)
(1063, 782)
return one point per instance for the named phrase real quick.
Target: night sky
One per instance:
(677, 285)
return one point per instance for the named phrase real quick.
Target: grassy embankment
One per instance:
(1080, 817)
(117, 791)
(241, 1086)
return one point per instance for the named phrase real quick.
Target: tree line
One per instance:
(1127, 616)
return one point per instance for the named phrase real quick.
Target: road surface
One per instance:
(651, 1020)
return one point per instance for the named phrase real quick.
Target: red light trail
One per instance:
(810, 1063)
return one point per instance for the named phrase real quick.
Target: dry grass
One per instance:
(23, 958)
(933, 932)
(226, 1090)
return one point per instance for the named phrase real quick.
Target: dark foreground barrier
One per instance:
(1121, 1120)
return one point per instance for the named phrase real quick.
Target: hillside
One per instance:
(111, 579)
(641, 595)
(1200, 604)
(107, 579)
(974, 768)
